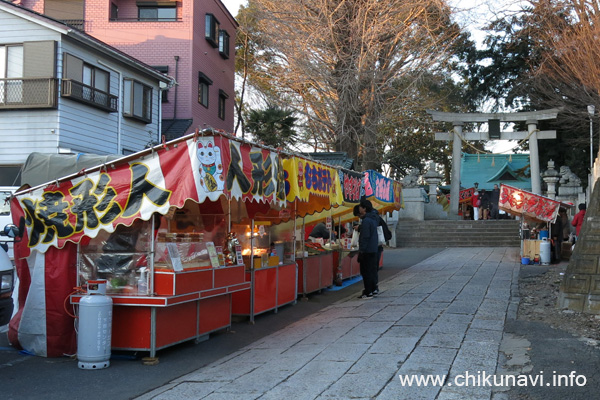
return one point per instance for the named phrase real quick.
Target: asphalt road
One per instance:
(28, 377)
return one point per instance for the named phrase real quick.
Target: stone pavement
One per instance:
(444, 316)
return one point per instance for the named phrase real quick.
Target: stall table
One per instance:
(349, 263)
(315, 272)
(187, 305)
(270, 288)
(531, 248)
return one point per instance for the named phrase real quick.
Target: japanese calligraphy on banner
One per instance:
(352, 186)
(304, 178)
(255, 173)
(398, 199)
(379, 187)
(464, 196)
(197, 169)
(529, 205)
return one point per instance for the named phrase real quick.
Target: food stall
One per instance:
(158, 226)
(532, 209)
(384, 193)
(313, 188)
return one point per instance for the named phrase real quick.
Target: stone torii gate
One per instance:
(494, 133)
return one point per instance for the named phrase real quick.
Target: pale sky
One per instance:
(233, 5)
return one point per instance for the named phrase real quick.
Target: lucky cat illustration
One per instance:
(211, 166)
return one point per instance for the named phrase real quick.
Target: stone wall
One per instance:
(580, 288)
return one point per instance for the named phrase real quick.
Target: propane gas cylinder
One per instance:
(95, 326)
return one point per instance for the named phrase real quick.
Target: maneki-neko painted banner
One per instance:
(200, 168)
(528, 205)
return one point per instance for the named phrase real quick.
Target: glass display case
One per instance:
(265, 243)
(120, 257)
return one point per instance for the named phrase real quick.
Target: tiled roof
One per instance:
(334, 158)
(509, 169)
(175, 128)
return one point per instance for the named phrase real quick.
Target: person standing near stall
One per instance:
(494, 202)
(578, 219)
(368, 244)
(475, 202)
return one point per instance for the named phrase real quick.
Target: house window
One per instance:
(114, 12)
(222, 100)
(87, 83)
(211, 30)
(137, 100)
(224, 44)
(11, 66)
(164, 94)
(203, 83)
(157, 11)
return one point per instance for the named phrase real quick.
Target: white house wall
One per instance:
(21, 131)
(100, 133)
(73, 126)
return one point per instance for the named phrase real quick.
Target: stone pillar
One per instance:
(534, 158)
(455, 173)
(551, 177)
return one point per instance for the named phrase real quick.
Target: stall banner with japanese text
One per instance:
(528, 205)
(464, 196)
(197, 169)
(255, 173)
(304, 179)
(379, 187)
(398, 198)
(352, 186)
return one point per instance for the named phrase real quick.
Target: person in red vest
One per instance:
(475, 202)
(578, 219)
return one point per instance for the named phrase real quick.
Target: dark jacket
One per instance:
(368, 241)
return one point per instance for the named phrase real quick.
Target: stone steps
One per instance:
(446, 233)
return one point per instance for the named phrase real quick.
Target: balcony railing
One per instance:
(145, 19)
(28, 93)
(88, 95)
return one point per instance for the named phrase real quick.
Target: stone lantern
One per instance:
(551, 176)
(433, 179)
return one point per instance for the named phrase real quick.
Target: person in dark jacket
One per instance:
(368, 244)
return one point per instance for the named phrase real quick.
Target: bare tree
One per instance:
(571, 34)
(336, 61)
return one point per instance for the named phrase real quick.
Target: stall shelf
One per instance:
(188, 305)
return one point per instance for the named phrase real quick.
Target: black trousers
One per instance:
(368, 270)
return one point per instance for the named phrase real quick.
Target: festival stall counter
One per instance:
(268, 249)
(314, 189)
(384, 193)
(109, 222)
(532, 209)
(186, 295)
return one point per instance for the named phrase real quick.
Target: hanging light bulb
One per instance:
(493, 162)
(510, 157)
(477, 156)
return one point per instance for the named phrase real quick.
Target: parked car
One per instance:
(7, 275)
